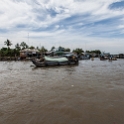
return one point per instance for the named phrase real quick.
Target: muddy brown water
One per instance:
(90, 93)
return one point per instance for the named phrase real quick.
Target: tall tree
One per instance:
(61, 48)
(67, 50)
(24, 45)
(31, 47)
(43, 50)
(37, 48)
(52, 48)
(8, 43)
(78, 51)
(17, 47)
(94, 51)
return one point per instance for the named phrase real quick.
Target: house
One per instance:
(29, 53)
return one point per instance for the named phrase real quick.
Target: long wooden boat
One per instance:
(112, 58)
(55, 61)
(103, 58)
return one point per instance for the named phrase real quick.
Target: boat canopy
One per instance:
(60, 59)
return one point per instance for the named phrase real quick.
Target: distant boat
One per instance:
(104, 56)
(85, 57)
(68, 59)
(111, 57)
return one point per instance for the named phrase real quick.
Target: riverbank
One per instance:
(14, 59)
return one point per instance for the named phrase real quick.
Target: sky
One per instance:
(86, 24)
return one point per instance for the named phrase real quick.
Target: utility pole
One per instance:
(28, 38)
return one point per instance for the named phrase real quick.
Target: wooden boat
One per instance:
(112, 58)
(102, 57)
(85, 57)
(55, 61)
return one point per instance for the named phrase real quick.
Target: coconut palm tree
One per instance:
(7, 43)
(52, 48)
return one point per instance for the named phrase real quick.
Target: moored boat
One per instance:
(85, 57)
(56, 61)
(112, 58)
(104, 56)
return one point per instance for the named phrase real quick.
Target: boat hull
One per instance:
(49, 63)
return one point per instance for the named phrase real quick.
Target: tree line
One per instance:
(7, 51)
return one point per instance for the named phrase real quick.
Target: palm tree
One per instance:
(17, 46)
(7, 43)
(52, 48)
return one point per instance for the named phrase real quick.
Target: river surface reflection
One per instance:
(90, 93)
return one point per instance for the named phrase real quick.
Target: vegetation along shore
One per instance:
(23, 51)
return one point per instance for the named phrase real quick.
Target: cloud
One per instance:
(51, 22)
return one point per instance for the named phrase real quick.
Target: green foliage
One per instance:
(15, 52)
(31, 47)
(9, 52)
(23, 45)
(52, 48)
(3, 49)
(7, 43)
(17, 47)
(94, 51)
(78, 50)
(43, 49)
(37, 48)
(6, 51)
(67, 50)
(61, 48)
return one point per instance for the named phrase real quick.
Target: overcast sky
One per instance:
(87, 24)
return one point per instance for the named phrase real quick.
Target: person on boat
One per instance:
(110, 57)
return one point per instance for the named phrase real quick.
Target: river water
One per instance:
(89, 93)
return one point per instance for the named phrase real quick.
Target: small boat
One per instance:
(112, 58)
(85, 57)
(55, 61)
(103, 57)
